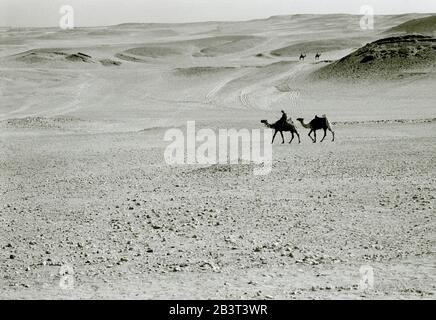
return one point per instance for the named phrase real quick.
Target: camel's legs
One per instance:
(310, 135)
(274, 136)
(333, 134)
(283, 138)
(299, 141)
(314, 135)
(292, 137)
(325, 133)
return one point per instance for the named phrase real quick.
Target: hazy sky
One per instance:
(108, 12)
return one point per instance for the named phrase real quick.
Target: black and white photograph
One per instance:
(252, 150)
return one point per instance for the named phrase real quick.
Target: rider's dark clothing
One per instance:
(283, 119)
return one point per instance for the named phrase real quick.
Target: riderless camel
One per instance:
(316, 124)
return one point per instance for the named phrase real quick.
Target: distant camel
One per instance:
(316, 124)
(302, 56)
(287, 126)
(317, 56)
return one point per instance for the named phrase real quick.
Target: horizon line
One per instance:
(219, 21)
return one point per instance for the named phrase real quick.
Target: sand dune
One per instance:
(201, 71)
(40, 56)
(425, 25)
(230, 45)
(317, 46)
(154, 51)
(203, 47)
(58, 58)
(390, 57)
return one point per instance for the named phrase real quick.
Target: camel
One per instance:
(302, 56)
(278, 127)
(316, 124)
(317, 56)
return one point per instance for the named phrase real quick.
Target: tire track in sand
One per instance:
(210, 96)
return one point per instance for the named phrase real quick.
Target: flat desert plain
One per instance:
(89, 208)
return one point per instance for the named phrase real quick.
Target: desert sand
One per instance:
(83, 180)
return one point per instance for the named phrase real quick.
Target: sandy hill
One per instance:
(425, 25)
(320, 46)
(391, 57)
(57, 58)
(149, 71)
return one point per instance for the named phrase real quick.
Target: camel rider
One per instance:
(283, 119)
